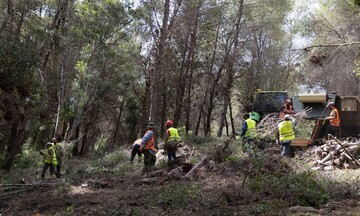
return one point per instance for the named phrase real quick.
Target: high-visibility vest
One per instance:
(150, 145)
(336, 121)
(286, 131)
(251, 128)
(282, 114)
(173, 135)
(50, 156)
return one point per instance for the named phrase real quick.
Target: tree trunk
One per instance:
(118, 120)
(230, 71)
(84, 143)
(58, 21)
(14, 144)
(58, 124)
(231, 117)
(8, 21)
(212, 92)
(223, 115)
(188, 74)
(163, 113)
(159, 63)
(76, 144)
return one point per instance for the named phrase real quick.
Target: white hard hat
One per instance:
(330, 103)
(287, 116)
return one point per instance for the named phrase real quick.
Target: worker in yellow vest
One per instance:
(60, 153)
(248, 129)
(285, 135)
(172, 139)
(50, 160)
(249, 134)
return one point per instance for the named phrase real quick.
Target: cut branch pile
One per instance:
(267, 127)
(338, 154)
(185, 170)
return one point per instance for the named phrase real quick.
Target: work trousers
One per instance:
(52, 170)
(331, 129)
(170, 147)
(286, 149)
(59, 165)
(135, 151)
(149, 160)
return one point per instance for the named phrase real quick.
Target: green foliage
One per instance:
(298, 189)
(28, 158)
(356, 2)
(281, 182)
(70, 208)
(18, 64)
(132, 116)
(63, 188)
(115, 157)
(265, 207)
(198, 140)
(176, 196)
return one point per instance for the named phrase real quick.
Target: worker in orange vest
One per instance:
(287, 108)
(148, 148)
(334, 120)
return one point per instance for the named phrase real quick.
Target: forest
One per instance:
(95, 73)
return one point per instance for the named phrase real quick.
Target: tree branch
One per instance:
(328, 45)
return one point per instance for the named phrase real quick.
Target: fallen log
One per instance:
(155, 174)
(201, 163)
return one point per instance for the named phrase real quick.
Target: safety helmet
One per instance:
(287, 116)
(48, 144)
(151, 125)
(288, 100)
(169, 123)
(330, 104)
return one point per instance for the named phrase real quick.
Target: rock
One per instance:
(328, 168)
(303, 209)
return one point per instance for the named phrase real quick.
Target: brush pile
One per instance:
(267, 127)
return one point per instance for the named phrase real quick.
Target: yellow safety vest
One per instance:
(286, 131)
(251, 128)
(173, 135)
(50, 156)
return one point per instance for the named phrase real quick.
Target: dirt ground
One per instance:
(120, 189)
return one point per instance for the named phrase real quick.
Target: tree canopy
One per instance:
(96, 72)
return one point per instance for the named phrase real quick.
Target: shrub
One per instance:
(277, 180)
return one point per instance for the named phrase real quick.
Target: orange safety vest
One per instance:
(336, 121)
(282, 114)
(149, 145)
